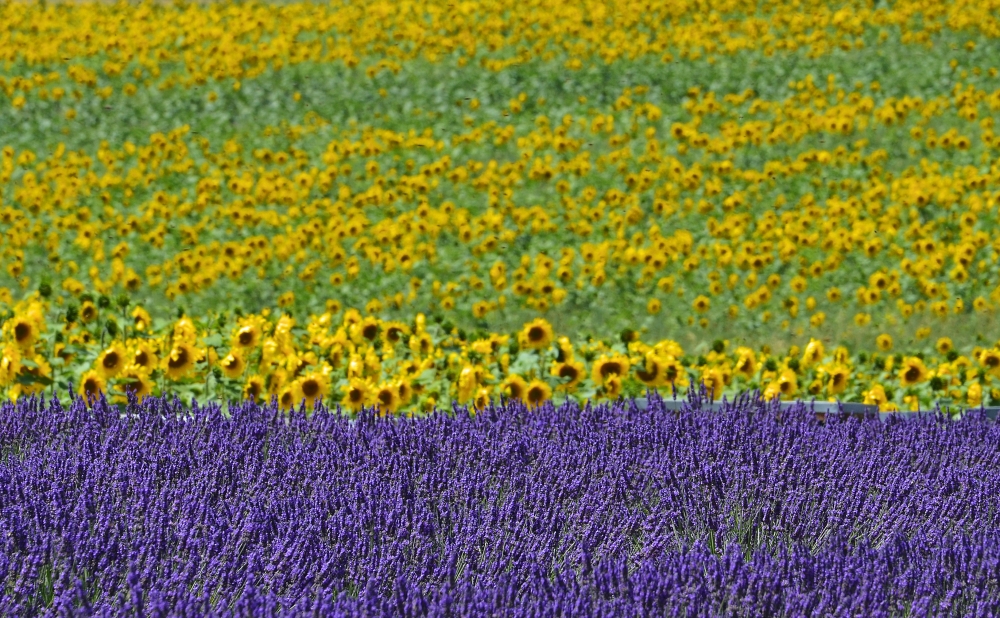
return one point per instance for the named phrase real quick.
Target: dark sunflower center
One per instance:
(912, 374)
(111, 360)
(22, 331)
(568, 371)
(310, 388)
(612, 368)
(385, 397)
(176, 362)
(535, 394)
(356, 395)
(141, 358)
(370, 331)
(246, 337)
(536, 333)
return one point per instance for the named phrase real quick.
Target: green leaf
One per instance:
(27, 378)
(213, 340)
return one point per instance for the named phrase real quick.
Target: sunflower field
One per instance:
(410, 204)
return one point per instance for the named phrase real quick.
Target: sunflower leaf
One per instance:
(27, 378)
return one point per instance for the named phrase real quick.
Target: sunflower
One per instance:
(613, 387)
(570, 373)
(651, 374)
(233, 364)
(25, 332)
(536, 335)
(10, 364)
(405, 391)
(181, 360)
(839, 376)
(607, 366)
(395, 331)
(974, 396)
(537, 392)
(112, 361)
(387, 398)
(311, 387)
(514, 386)
(88, 312)
(357, 393)
(714, 382)
(185, 331)
(143, 357)
(674, 374)
(783, 386)
(814, 352)
(41, 370)
(875, 396)
(286, 398)
(142, 320)
(482, 398)
(254, 388)
(365, 330)
(135, 381)
(91, 383)
(990, 359)
(247, 337)
(912, 371)
(884, 342)
(944, 345)
(746, 362)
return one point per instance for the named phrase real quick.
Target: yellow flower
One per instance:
(875, 396)
(746, 362)
(514, 386)
(990, 359)
(814, 352)
(884, 342)
(185, 331)
(651, 373)
(10, 364)
(142, 321)
(839, 376)
(24, 332)
(714, 382)
(247, 337)
(912, 371)
(311, 387)
(537, 392)
(233, 364)
(180, 361)
(701, 304)
(607, 366)
(112, 361)
(974, 396)
(536, 335)
(944, 345)
(653, 306)
(387, 398)
(91, 383)
(137, 382)
(357, 393)
(143, 357)
(254, 388)
(88, 312)
(570, 373)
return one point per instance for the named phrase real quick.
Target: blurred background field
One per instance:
(406, 205)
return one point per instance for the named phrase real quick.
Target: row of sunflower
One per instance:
(347, 358)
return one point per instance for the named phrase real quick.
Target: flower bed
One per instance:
(603, 509)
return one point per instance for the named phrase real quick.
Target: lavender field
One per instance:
(169, 509)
